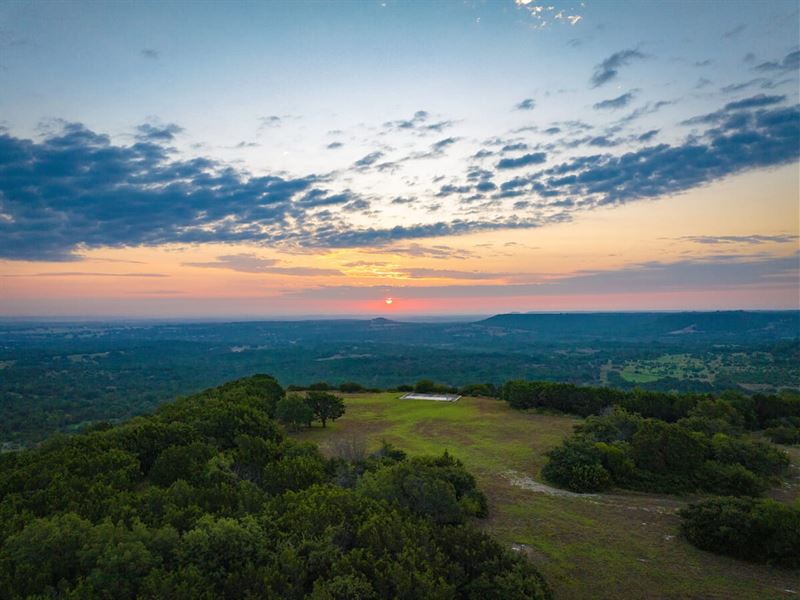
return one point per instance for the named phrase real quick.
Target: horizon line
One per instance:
(365, 317)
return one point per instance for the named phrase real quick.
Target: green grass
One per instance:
(677, 366)
(620, 545)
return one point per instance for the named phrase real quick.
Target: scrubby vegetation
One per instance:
(626, 450)
(663, 442)
(753, 412)
(678, 443)
(755, 530)
(207, 498)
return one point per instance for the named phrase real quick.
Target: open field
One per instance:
(755, 371)
(676, 366)
(592, 546)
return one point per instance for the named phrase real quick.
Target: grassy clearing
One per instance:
(623, 545)
(677, 366)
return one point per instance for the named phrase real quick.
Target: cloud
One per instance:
(485, 186)
(647, 109)
(418, 123)
(424, 273)
(449, 189)
(112, 260)
(438, 126)
(419, 117)
(157, 133)
(368, 160)
(790, 62)
(609, 68)
(372, 236)
(735, 32)
(435, 151)
(357, 205)
(615, 103)
(733, 112)
(150, 53)
(741, 239)
(746, 140)
(527, 104)
(525, 160)
(87, 274)
(604, 141)
(270, 121)
(316, 198)
(738, 87)
(442, 144)
(250, 263)
(713, 273)
(514, 147)
(419, 251)
(648, 136)
(755, 102)
(76, 189)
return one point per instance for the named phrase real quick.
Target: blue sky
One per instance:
(278, 130)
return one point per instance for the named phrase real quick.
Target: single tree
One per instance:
(325, 406)
(293, 411)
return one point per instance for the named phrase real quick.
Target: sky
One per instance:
(232, 160)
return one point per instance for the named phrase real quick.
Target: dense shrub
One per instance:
(759, 457)
(181, 462)
(586, 400)
(488, 390)
(436, 488)
(754, 530)
(578, 466)
(668, 450)
(320, 386)
(428, 386)
(729, 479)
(714, 415)
(771, 408)
(626, 450)
(727, 413)
(207, 499)
(350, 387)
(618, 424)
(783, 434)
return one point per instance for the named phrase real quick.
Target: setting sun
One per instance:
(388, 301)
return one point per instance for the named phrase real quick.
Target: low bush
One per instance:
(578, 466)
(756, 530)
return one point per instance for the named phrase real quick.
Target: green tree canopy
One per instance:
(325, 406)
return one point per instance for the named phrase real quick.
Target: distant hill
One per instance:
(750, 324)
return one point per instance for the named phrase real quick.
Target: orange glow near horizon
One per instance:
(443, 275)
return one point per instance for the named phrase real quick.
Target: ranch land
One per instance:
(610, 545)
